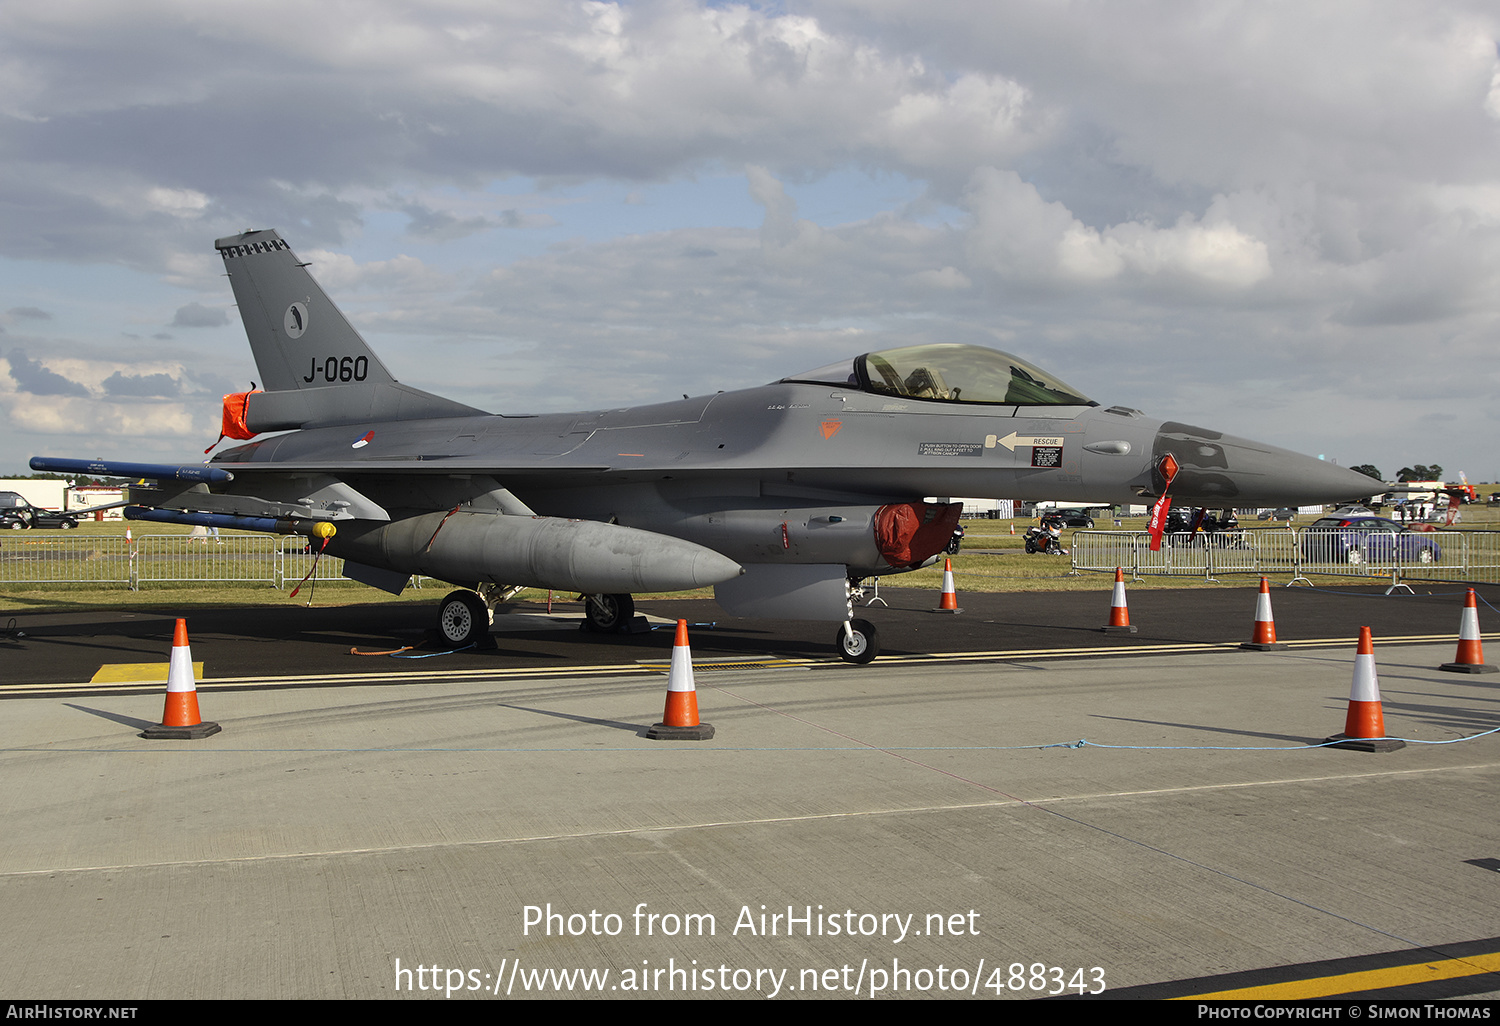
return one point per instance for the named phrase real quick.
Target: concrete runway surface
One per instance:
(918, 827)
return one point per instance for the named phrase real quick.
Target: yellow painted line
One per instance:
(138, 673)
(495, 674)
(1185, 647)
(661, 666)
(1349, 983)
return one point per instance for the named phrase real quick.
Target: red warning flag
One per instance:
(1167, 467)
(1159, 521)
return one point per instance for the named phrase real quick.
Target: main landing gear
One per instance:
(463, 618)
(608, 614)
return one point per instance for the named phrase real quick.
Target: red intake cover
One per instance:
(908, 533)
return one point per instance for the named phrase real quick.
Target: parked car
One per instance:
(16, 518)
(1180, 522)
(1071, 517)
(1180, 518)
(1340, 539)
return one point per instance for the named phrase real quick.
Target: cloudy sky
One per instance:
(1278, 219)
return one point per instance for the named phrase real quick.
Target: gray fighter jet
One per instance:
(784, 497)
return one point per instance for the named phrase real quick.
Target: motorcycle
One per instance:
(955, 541)
(1045, 537)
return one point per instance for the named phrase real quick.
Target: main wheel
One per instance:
(1426, 555)
(463, 618)
(607, 614)
(1354, 557)
(1030, 546)
(860, 646)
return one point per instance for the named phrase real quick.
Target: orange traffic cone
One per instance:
(949, 602)
(1364, 726)
(680, 718)
(1119, 614)
(1470, 658)
(180, 719)
(1263, 639)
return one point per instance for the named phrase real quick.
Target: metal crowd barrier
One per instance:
(71, 557)
(1463, 556)
(62, 557)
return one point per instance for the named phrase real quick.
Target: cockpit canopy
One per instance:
(949, 373)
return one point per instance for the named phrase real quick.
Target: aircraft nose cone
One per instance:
(1222, 470)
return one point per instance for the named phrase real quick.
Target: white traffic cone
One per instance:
(1364, 724)
(680, 717)
(1119, 613)
(180, 720)
(949, 601)
(1263, 637)
(1470, 657)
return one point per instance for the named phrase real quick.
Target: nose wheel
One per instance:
(858, 641)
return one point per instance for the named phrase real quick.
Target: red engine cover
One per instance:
(909, 533)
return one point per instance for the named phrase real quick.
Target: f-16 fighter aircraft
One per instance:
(784, 497)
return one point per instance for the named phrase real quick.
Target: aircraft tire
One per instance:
(463, 618)
(608, 614)
(861, 646)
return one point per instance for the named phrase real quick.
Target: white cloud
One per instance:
(91, 418)
(177, 202)
(339, 272)
(1019, 234)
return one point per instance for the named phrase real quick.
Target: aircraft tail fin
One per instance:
(314, 366)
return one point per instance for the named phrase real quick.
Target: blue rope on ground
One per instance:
(1085, 743)
(1413, 595)
(429, 655)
